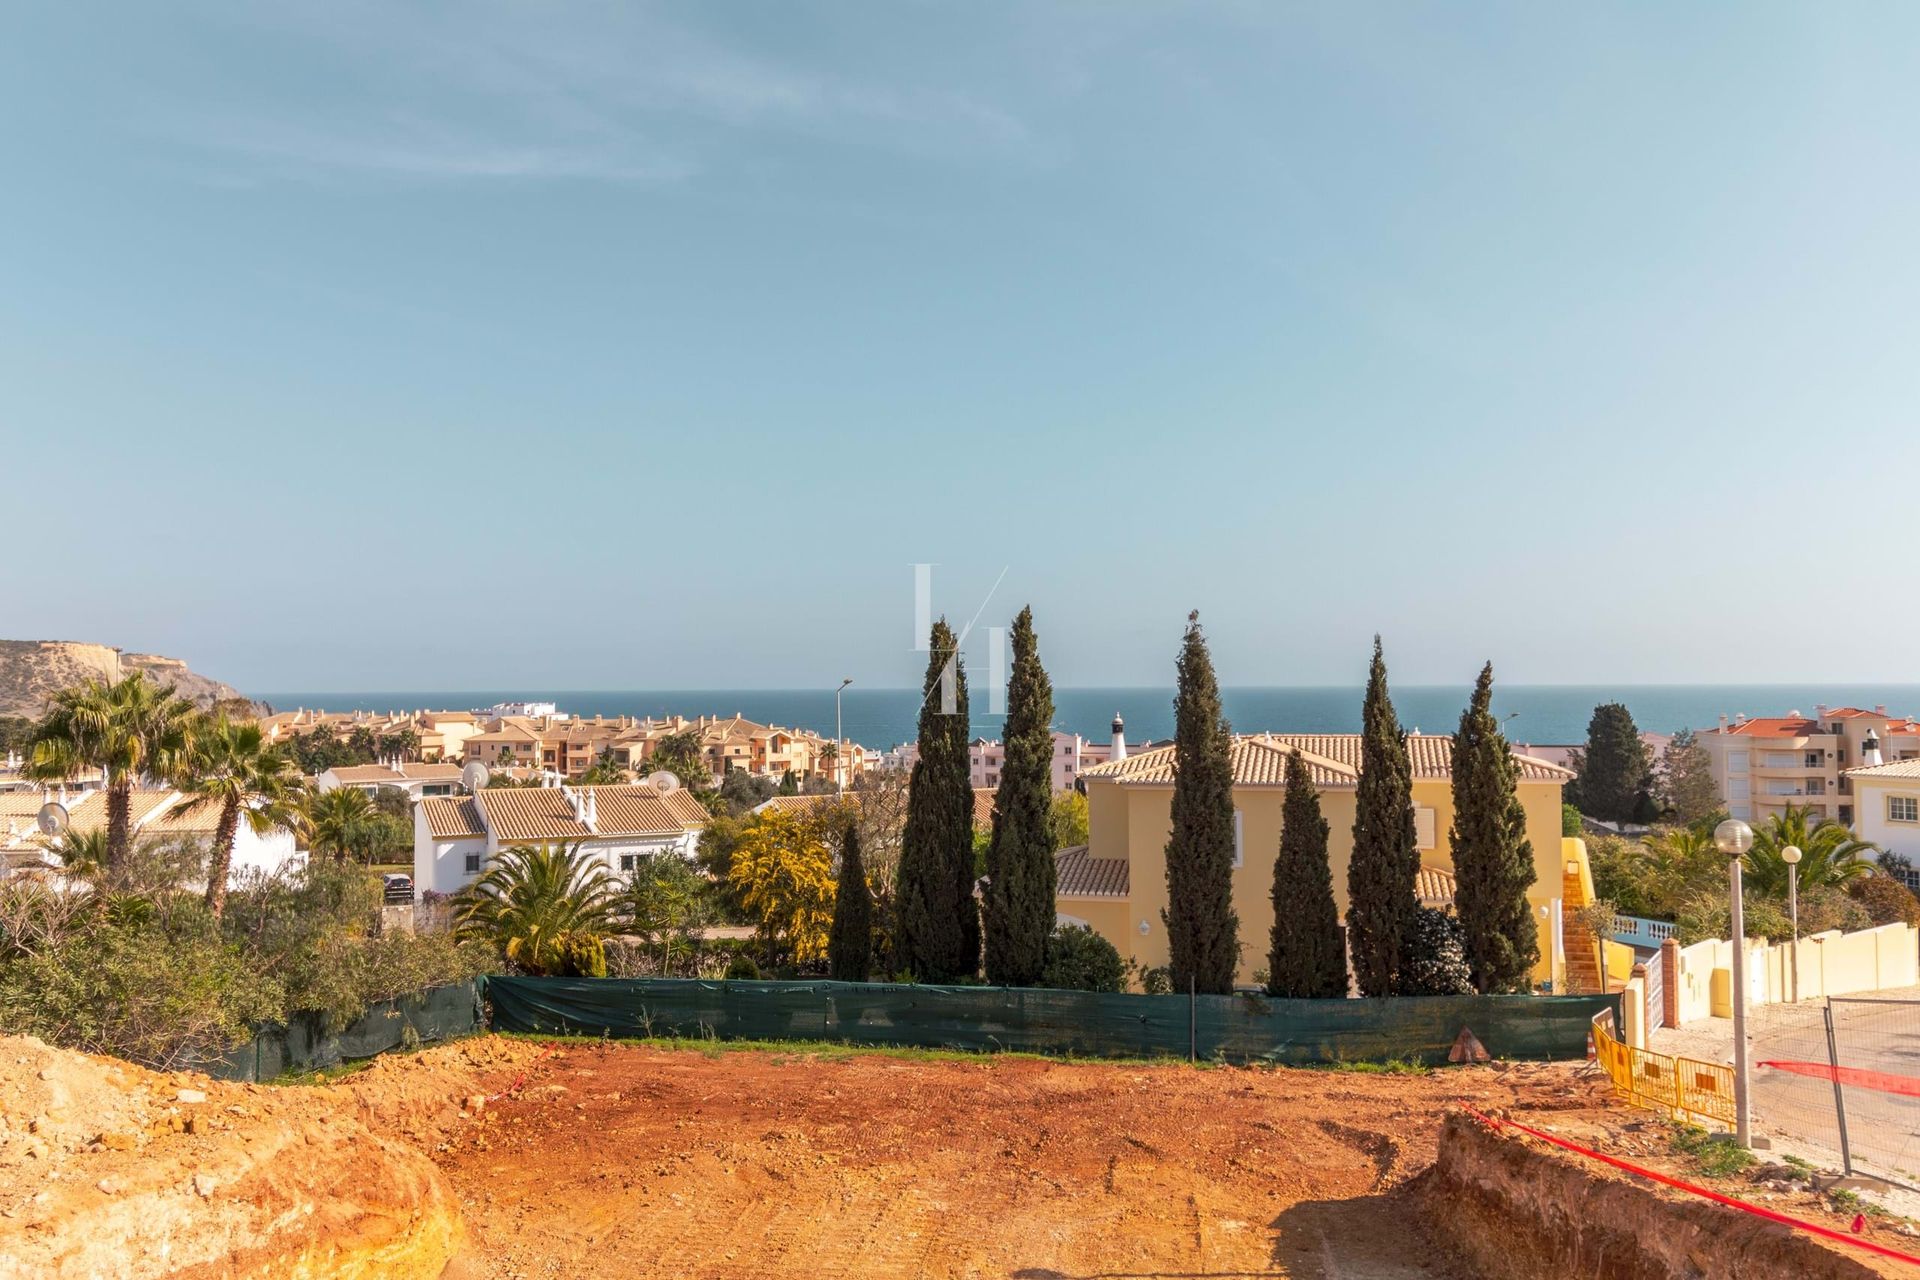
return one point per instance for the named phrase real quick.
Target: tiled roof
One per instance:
(451, 817)
(1854, 713)
(409, 771)
(1892, 769)
(542, 813)
(1434, 886)
(1770, 727)
(1332, 758)
(90, 811)
(1079, 876)
(983, 807)
(797, 804)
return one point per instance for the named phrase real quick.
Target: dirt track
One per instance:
(622, 1162)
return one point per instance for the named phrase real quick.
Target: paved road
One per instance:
(1875, 1031)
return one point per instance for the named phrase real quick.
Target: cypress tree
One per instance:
(1615, 782)
(1203, 931)
(1307, 957)
(850, 944)
(1492, 857)
(939, 925)
(1381, 878)
(1020, 869)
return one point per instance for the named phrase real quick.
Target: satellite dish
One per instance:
(52, 818)
(663, 781)
(474, 776)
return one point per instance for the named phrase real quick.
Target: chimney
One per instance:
(1119, 751)
(1879, 708)
(1723, 723)
(1870, 750)
(1820, 710)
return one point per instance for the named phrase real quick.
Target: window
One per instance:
(1736, 762)
(473, 864)
(1423, 824)
(629, 861)
(1742, 810)
(1903, 809)
(1814, 761)
(1239, 841)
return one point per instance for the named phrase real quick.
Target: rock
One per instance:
(203, 1184)
(190, 1095)
(117, 1141)
(107, 1187)
(474, 1102)
(193, 1124)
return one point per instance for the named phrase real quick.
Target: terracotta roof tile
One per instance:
(452, 817)
(516, 814)
(1080, 876)
(1434, 886)
(1260, 760)
(1892, 769)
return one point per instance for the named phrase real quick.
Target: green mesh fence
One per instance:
(1224, 1028)
(305, 1044)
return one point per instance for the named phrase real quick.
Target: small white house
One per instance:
(1886, 806)
(455, 838)
(155, 813)
(416, 779)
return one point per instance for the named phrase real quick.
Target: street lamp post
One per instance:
(1733, 838)
(1791, 856)
(839, 741)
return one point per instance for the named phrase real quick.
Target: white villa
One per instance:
(455, 837)
(157, 812)
(418, 780)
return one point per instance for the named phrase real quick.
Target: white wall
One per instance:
(1870, 814)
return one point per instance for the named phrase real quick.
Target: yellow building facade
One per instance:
(1117, 883)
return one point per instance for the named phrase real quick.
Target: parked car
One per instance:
(398, 889)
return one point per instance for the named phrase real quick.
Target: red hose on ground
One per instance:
(1859, 1078)
(1668, 1180)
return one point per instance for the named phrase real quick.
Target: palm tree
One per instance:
(338, 823)
(82, 854)
(1830, 854)
(533, 899)
(232, 767)
(128, 728)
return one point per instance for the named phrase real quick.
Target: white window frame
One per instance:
(1239, 840)
(472, 863)
(1910, 805)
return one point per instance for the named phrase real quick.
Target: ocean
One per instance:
(880, 718)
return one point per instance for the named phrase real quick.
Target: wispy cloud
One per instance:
(509, 91)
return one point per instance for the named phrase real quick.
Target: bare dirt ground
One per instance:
(501, 1158)
(632, 1161)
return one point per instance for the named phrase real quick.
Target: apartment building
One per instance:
(1762, 765)
(438, 735)
(1071, 755)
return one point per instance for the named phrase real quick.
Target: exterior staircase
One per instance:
(1584, 975)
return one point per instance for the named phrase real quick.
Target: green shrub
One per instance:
(1078, 959)
(1436, 959)
(744, 967)
(582, 955)
(1570, 824)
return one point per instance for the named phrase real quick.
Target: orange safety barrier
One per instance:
(1648, 1079)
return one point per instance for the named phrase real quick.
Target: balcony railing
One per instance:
(1637, 931)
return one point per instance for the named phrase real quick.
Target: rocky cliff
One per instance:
(32, 670)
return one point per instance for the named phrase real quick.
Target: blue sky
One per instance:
(590, 345)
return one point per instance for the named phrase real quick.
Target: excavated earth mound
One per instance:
(107, 1169)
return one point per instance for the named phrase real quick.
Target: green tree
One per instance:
(1203, 931)
(783, 875)
(1306, 956)
(1687, 771)
(680, 754)
(1614, 781)
(1382, 875)
(1435, 962)
(937, 921)
(1830, 855)
(232, 769)
(537, 903)
(850, 944)
(1020, 871)
(669, 903)
(126, 728)
(1068, 820)
(1492, 857)
(339, 824)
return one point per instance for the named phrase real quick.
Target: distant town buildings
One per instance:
(1765, 764)
(418, 780)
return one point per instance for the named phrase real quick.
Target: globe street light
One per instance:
(1733, 838)
(1791, 856)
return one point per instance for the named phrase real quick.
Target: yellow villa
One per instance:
(1117, 882)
